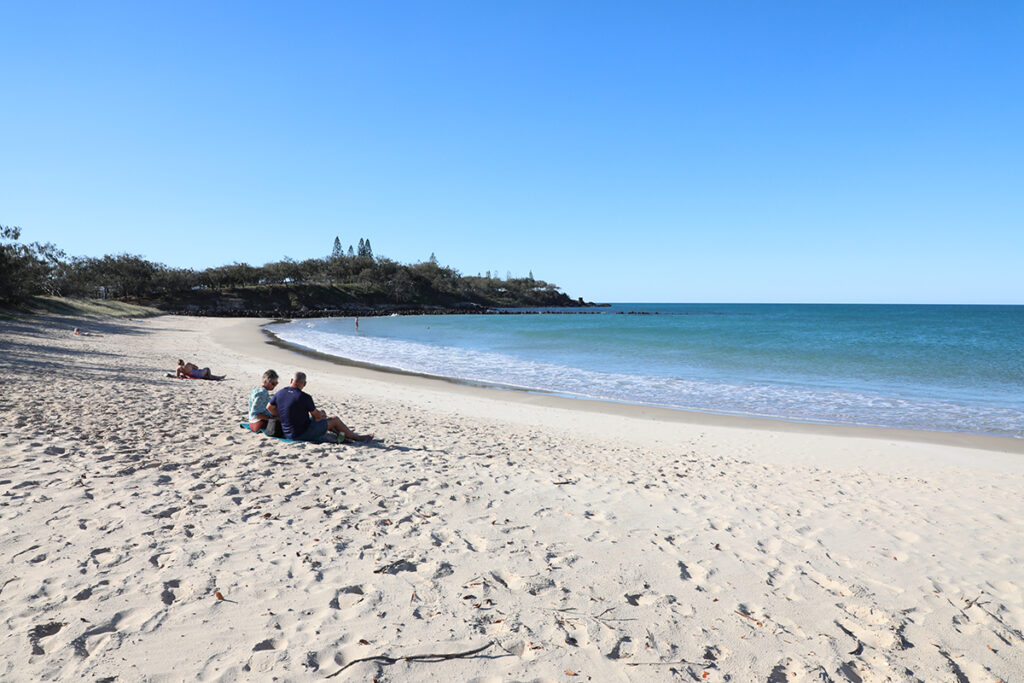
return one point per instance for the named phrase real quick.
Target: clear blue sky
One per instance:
(627, 151)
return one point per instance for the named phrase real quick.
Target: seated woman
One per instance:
(258, 400)
(191, 371)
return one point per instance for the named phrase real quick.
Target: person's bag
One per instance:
(274, 428)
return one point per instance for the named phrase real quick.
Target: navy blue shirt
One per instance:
(293, 407)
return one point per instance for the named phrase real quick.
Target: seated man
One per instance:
(259, 398)
(301, 420)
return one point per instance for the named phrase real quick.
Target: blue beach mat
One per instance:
(245, 426)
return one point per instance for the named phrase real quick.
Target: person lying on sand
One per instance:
(259, 398)
(299, 417)
(191, 371)
(80, 333)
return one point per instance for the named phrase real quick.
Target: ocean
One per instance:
(944, 368)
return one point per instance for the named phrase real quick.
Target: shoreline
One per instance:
(148, 536)
(991, 442)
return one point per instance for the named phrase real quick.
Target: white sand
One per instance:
(586, 541)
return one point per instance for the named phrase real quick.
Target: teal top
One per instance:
(258, 400)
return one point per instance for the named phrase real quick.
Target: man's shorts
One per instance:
(314, 432)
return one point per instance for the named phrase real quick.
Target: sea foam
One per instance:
(776, 399)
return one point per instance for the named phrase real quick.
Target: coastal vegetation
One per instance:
(352, 280)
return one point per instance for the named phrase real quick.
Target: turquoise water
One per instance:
(949, 368)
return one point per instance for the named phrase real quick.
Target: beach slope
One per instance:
(147, 537)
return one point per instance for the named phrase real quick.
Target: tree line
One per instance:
(28, 270)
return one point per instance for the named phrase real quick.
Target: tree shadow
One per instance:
(45, 326)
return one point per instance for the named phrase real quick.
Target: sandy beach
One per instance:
(146, 537)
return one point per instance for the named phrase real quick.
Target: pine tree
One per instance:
(433, 258)
(350, 251)
(369, 250)
(336, 252)
(362, 247)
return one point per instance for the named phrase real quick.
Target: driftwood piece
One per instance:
(681, 662)
(438, 657)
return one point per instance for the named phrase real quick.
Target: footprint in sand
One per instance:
(599, 516)
(349, 596)
(443, 570)
(167, 596)
(624, 649)
(476, 544)
(95, 638)
(771, 546)
(43, 631)
(270, 644)
(539, 585)
(693, 572)
(640, 599)
(907, 536)
(507, 579)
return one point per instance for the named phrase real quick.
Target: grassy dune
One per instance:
(56, 305)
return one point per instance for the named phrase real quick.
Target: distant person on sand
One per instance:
(79, 333)
(191, 371)
(299, 417)
(357, 323)
(259, 398)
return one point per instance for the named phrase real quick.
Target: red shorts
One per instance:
(258, 425)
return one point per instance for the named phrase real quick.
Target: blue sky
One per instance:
(627, 151)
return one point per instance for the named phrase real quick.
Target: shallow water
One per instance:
(950, 368)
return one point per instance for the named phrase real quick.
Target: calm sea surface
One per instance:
(950, 368)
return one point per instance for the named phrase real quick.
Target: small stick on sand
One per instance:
(680, 662)
(412, 658)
